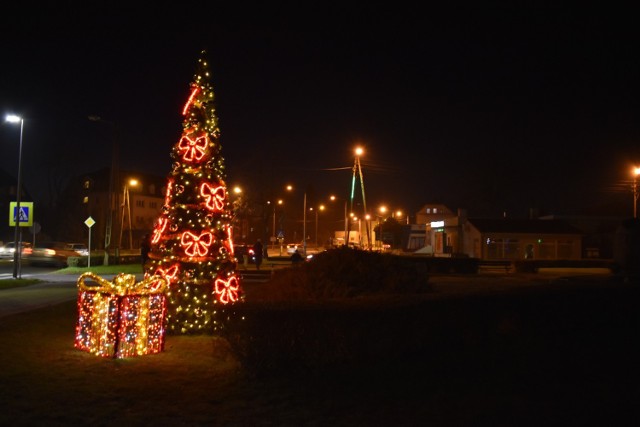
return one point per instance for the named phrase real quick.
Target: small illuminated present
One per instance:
(121, 318)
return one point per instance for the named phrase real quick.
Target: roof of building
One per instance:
(526, 226)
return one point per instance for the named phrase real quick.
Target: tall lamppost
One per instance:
(367, 225)
(304, 220)
(383, 211)
(17, 241)
(126, 203)
(273, 231)
(320, 208)
(357, 173)
(346, 217)
(237, 207)
(636, 172)
(304, 226)
(113, 180)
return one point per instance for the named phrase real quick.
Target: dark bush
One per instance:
(344, 306)
(347, 273)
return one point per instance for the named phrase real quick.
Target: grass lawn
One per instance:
(17, 283)
(523, 352)
(99, 270)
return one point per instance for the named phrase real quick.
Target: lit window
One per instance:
(85, 200)
(428, 210)
(435, 210)
(87, 184)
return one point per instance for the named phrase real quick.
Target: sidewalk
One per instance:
(54, 289)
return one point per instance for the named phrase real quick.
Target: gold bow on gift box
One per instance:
(124, 284)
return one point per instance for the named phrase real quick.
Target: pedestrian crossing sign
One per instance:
(25, 215)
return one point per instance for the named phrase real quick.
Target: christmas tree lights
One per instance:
(191, 244)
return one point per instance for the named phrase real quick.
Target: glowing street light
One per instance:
(17, 242)
(126, 203)
(357, 173)
(273, 230)
(320, 208)
(346, 217)
(304, 221)
(636, 172)
(113, 180)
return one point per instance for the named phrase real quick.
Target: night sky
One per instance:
(490, 110)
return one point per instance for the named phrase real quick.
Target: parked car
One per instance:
(50, 253)
(241, 250)
(80, 248)
(291, 248)
(7, 250)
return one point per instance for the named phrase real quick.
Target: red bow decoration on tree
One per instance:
(214, 197)
(170, 273)
(196, 245)
(194, 148)
(227, 289)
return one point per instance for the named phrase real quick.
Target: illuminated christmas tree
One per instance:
(191, 243)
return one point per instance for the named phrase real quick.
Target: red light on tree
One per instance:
(214, 197)
(193, 147)
(227, 289)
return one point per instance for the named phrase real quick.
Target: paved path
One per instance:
(54, 289)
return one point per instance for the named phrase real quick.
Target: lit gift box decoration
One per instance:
(121, 318)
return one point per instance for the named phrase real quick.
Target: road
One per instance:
(54, 289)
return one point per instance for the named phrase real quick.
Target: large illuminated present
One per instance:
(121, 318)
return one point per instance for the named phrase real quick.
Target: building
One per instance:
(501, 238)
(123, 212)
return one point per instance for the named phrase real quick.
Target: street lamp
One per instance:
(367, 224)
(357, 173)
(636, 172)
(113, 179)
(383, 211)
(127, 203)
(17, 241)
(304, 221)
(346, 217)
(273, 230)
(320, 208)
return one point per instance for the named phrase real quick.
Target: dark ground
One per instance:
(562, 353)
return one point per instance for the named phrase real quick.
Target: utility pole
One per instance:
(357, 173)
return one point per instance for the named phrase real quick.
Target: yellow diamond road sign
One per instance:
(89, 222)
